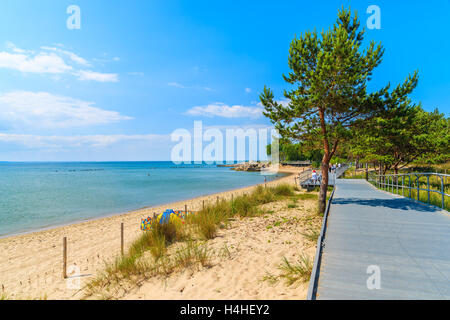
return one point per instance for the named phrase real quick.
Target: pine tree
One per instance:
(329, 74)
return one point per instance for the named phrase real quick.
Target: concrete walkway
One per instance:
(409, 243)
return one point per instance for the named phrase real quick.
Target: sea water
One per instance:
(35, 195)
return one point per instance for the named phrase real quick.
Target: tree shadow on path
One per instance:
(396, 203)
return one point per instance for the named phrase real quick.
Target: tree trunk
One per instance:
(324, 185)
(328, 154)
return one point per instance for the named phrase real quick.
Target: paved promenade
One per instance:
(408, 242)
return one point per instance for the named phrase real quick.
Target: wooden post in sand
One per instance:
(203, 205)
(121, 238)
(64, 257)
(232, 197)
(217, 200)
(185, 209)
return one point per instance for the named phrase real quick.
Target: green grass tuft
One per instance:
(300, 271)
(311, 235)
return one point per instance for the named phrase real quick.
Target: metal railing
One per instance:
(391, 183)
(304, 175)
(340, 171)
(305, 178)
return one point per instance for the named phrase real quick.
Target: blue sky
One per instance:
(137, 70)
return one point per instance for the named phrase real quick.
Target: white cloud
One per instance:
(41, 63)
(84, 75)
(12, 47)
(182, 86)
(58, 142)
(42, 109)
(176, 85)
(284, 103)
(71, 55)
(222, 110)
(50, 60)
(248, 90)
(237, 127)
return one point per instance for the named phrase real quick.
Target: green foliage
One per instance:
(283, 190)
(306, 196)
(207, 220)
(156, 239)
(433, 198)
(135, 266)
(291, 151)
(402, 136)
(299, 271)
(311, 235)
(330, 72)
(335, 159)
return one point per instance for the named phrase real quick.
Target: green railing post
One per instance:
(396, 183)
(391, 183)
(418, 188)
(403, 186)
(409, 176)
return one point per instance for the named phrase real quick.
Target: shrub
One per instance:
(283, 190)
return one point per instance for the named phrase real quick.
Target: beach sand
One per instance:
(31, 264)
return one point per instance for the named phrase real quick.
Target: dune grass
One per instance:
(157, 239)
(299, 271)
(130, 270)
(135, 265)
(190, 254)
(311, 235)
(207, 221)
(291, 273)
(306, 196)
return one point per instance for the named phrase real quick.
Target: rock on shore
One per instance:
(251, 166)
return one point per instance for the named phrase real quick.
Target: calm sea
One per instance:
(38, 195)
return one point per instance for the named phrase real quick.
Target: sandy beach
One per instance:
(31, 264)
